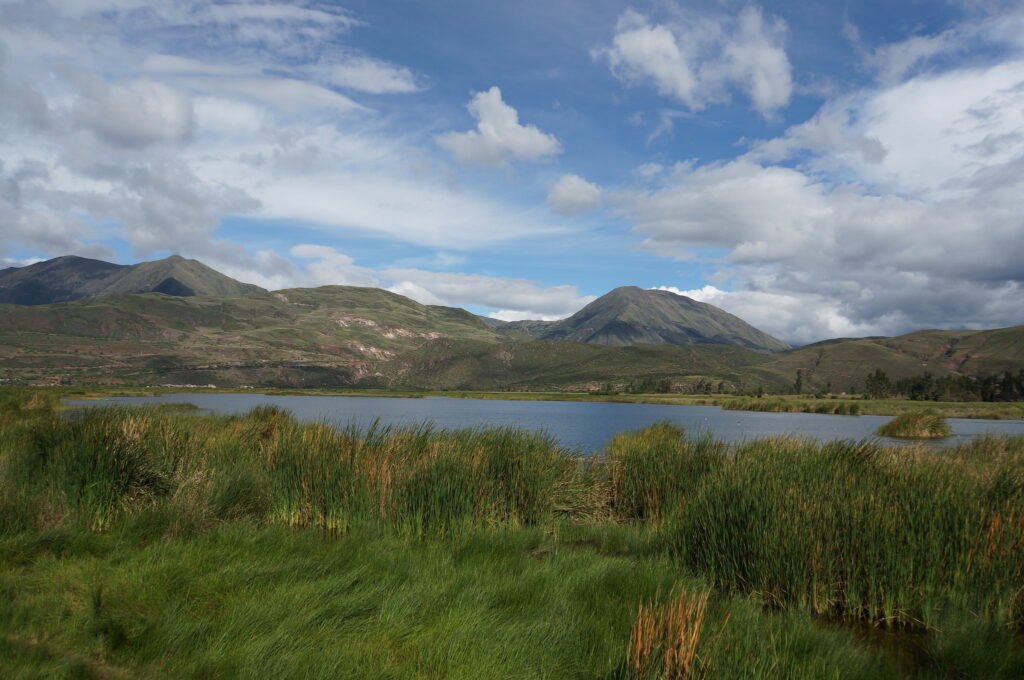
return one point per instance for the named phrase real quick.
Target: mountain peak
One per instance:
(630, 315)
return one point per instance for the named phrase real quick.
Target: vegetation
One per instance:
(926, 387)
(919, 425)
(148, 543)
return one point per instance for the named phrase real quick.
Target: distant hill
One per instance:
(843, 364)
(630, 316)
(69, 278)
(333, 335)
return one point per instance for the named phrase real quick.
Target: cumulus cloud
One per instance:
(515, 297)
(882, 138)
(797, 318)
(697, 60)
(894, 208)
(332, 268)
(572, 195)
(845, 259)
(498, 136)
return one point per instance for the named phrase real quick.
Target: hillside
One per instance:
(69, 278)
(321, 336)
(630, 315)
(842, 365)
(544, 364)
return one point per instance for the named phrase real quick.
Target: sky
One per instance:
(821, 170)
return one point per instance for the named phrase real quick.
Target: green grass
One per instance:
(918, 425)
(144, 543)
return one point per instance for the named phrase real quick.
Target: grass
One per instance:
(144, 543)
(919, 425)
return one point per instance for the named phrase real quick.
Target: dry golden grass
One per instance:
(663, 641)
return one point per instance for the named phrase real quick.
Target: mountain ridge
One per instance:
(69, 278)
(345, 335)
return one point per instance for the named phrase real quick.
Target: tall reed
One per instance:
(655, 469)
(108, 462)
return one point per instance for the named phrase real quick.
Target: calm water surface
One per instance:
(582, 425)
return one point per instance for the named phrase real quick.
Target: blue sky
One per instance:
(819, 169)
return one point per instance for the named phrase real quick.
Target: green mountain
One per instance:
(68, 278)
(630, 315)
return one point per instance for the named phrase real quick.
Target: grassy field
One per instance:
(146, 543)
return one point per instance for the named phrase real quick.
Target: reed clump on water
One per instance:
(926, 424)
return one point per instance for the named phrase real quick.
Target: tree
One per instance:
(878, 385)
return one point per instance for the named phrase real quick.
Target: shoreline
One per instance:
(768, 403)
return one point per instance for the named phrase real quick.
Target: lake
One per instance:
(586, 426)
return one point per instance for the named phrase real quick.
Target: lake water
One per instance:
(586, 426)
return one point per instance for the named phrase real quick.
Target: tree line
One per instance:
(1005, 386)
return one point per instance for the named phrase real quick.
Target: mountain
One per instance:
(344, 335)
(322, 336)
(630, 315)
(454, 364)
(68, 278)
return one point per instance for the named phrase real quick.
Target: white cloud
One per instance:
(849, 259)
(649, 170)
(369, 75)
(283, 94)
(516, 315)
(572, 195)
(332, 268)
(898, 207)
(159, 143)
(135, 113)
(697, 60)
(498, 136)
(526, 298)
(795, 318)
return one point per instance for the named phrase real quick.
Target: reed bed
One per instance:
(916, 425)
(780, 405)
(109, 462)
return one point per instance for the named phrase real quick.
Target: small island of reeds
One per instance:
(916, 425)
